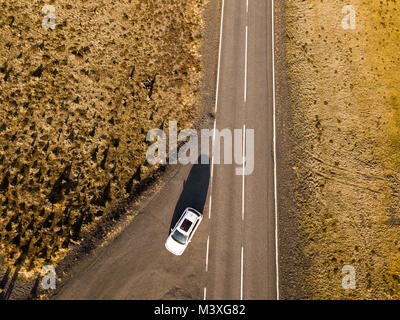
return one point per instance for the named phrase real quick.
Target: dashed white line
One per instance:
(219, 55)
(212, 150)
(243, 173)
(241, 275)
(245, 65)
(208, 247)
(274, 139)
(244, 130)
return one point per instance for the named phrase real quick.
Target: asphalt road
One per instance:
(233, 254)
(242, 257)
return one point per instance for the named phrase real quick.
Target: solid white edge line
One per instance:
(215, 126)
(245, 64)
(243, 173)
(212, 150)
(219, 55)
(212, 167)
(241, 276)
(208, 247)
(274, 140)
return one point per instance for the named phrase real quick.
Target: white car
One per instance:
(183, 232)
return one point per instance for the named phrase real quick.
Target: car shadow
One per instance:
(195, 189)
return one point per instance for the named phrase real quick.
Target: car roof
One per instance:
(189, 216)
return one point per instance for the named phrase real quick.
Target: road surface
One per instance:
(233, 255)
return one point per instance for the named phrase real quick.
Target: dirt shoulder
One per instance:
(342, 129)
(291, 256)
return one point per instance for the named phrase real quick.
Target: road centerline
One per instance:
(243, 168)
(241, 274)
(207, 253)
(245, 63)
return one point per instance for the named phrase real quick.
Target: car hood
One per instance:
(174, 247)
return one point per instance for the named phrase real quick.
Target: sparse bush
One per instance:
(76, 104)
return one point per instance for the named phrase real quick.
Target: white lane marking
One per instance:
(219, 56)
(245, 64)
(208, 248)
(247, 6)
(241, 276)
(212, 151)
(212, 167)
(215, 126)
(209, 208)
(275, 178)
(214, 132)
(243, 173)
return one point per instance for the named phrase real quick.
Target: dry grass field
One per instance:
(345, 101)
(76, 104)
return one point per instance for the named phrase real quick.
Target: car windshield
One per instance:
(179, 237)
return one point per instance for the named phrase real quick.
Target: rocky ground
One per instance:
(76, 104)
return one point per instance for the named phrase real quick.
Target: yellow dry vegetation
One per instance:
(345, 99)
(76, 104)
